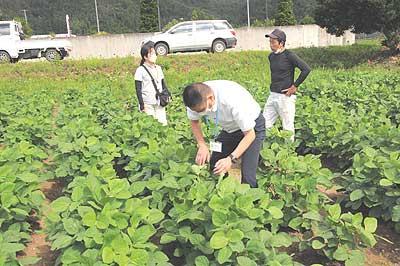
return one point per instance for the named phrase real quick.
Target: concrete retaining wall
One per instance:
(122, 45)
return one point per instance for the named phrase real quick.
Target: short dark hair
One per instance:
(145, 50)
(195, 93)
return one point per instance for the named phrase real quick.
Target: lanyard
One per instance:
(215, 130)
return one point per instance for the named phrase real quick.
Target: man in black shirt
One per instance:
(282, 99)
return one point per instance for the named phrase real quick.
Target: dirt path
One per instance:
(39, 246)
(52, 189)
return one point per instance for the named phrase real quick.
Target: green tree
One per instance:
(285, 15)
(362, 16)
(199, 14)
(148, 16)
(26, 28)
(170, 24)
(263, 23)
(307, 20)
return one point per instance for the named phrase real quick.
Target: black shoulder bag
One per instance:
(163, 96)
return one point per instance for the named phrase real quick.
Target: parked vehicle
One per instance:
(14, 47)
(202, 35)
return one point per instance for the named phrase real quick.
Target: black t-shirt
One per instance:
(283, 68)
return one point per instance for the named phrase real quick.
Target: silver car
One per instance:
(201, 35)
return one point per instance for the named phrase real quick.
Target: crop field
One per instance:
(85, 179)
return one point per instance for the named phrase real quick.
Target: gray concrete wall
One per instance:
(122, 45)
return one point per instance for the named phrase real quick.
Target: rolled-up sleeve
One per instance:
(192, 115)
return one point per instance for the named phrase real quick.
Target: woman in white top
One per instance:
(146, 88)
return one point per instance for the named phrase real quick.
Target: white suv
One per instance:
(200, 35)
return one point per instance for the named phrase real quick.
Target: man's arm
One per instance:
(203, 154)
(198, 134)
(305, 69)
(244, 144)
(224, 165)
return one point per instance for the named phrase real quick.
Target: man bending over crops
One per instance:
(282, 99)
(233, 109)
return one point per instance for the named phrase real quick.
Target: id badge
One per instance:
(215, 146)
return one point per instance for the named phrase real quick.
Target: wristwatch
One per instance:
(233, 158)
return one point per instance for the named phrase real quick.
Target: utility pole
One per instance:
(26, 17)
(68, 26)
(248, 14)
(159, 15)
(266, 9)
(97, 16)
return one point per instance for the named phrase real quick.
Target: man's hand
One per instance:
(203, 155)
(223, 166)
(292, 90)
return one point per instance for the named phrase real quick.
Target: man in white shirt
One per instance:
(243, 126)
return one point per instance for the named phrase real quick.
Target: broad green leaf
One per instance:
(218, 240)
(201, 261)
(255, 246)
(316, 244)
(396, 213)
(312, 215)
(139, 257)
(385, 182)
(70, 256)
(244, 261)
(71, 226)
(341, 254)
(155, 216)
(219, 218)
(108, 255)
(237, 246)
(224, 255)
(356, 258)
(143, 233)
(61, 241)
(275, 212)
(12, 247)
(196, 239)
(61, 204)
(29, 177)
(167, 238)
(28, 261)
(295, 223)
(281, 240)
(120, 245)
(370, 152)
(370, 224)
(356, 195)
(216, 203)
(335, 211)
(227, 186)
(89, 217)
(235, 235)
(368, 238)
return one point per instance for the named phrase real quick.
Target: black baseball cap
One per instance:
(277, 34)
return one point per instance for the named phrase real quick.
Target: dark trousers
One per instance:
(249, 158)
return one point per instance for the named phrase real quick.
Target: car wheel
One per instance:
(53, 55)
(4, 57)
(161, 49)
(218, 46)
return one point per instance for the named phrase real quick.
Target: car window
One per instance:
(221, 26)
(186, 28)
(204, 26)
(4, 29)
